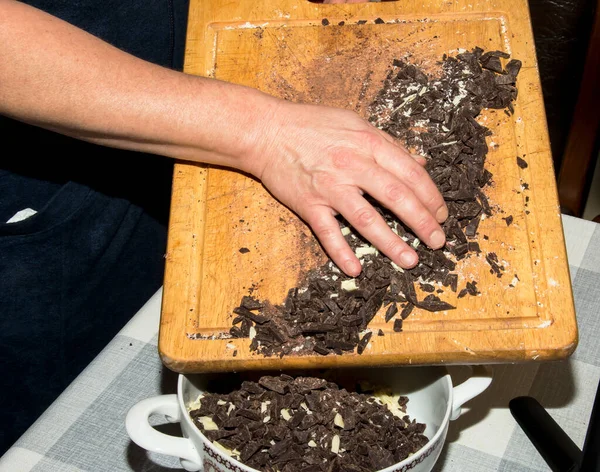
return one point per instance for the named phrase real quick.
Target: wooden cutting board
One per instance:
(282, 47)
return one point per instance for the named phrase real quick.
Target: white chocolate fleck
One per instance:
(338, 420)
(208, 424)
(349, 285)
(335, 444)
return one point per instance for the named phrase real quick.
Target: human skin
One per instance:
(319, 161)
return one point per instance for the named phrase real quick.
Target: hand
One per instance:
(319, 161)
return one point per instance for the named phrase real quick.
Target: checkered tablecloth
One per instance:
(84, 430)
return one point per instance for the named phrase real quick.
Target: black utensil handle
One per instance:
(558, 450)
(591, 449)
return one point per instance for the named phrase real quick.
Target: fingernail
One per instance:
(437, 239)
(442, 214)
(352, 268)
(408, 259)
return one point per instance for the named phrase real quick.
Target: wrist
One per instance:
(230, 125)
(259, 131)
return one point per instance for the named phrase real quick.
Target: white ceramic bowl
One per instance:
(432, 400)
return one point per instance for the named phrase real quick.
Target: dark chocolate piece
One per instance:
(474, 247)
(513, 67)
(236, 332)
(258, 319)
(274, 384)
(428, 288)
(433, 303)
(320, 349)
(472, 288)
(406, 310)
(391, 312)
(251, 303)
(363, 342)
(522, 163)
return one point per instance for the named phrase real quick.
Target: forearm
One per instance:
(319, 161)
(54, 75)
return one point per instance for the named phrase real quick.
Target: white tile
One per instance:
(577, 237)
(486, 423)
(573, 417)
(82, 393)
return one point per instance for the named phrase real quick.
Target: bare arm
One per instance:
(316, 160)
(57, 76)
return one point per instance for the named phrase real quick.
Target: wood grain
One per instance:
(282, 48)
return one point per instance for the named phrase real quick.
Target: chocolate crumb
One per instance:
(522, 163)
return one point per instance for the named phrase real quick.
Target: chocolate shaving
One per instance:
(391, 312)
(363, 342)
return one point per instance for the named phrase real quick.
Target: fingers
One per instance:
(417, 157)
(415, 177)
(327, 230)
(365, 219)
(399, 198)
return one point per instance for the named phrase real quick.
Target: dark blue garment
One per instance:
(74, 273)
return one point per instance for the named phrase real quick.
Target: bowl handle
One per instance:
(146, 436)
(470, 388)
